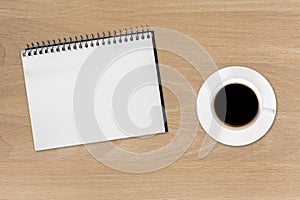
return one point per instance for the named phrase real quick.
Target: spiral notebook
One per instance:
(94, 88)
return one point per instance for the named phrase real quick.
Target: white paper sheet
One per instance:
(99, 77)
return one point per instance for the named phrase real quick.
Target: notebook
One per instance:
(94, 88)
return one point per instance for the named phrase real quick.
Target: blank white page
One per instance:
(94, 94)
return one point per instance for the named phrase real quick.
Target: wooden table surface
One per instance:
(263, 35)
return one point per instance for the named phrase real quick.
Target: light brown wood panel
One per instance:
(263, 35)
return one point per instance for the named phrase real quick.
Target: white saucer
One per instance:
(236, 136)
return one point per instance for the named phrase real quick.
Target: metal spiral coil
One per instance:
(87, 41)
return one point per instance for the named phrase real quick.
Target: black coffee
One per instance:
(236, 105)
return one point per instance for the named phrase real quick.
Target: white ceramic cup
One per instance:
(229, 134)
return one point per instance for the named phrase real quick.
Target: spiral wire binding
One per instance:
(87, 41)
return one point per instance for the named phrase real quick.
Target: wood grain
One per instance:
(264, 35)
